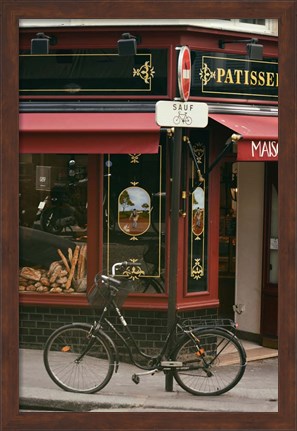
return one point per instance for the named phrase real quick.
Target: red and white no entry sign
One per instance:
(184, 73)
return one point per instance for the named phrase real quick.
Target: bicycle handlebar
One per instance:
(123, 264)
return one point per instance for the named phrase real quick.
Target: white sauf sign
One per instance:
(181, 114)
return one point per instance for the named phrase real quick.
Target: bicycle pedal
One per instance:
(171, 364)
(135, 379)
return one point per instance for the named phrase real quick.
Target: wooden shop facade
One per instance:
(88, 133)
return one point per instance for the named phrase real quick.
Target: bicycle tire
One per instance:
(224, 366)
(152, 286)
(48, 219)
(62, 350)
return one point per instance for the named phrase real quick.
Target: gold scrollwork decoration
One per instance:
(206, 74)
(199, 152)
(146, 72)
(197, 270)
(198, 149)
(133, 272)
(134, 158)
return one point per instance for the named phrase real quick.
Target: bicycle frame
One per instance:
(155, 360)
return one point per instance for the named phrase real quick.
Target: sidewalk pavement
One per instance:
(256, 392)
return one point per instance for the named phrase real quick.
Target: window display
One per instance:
(53, 223)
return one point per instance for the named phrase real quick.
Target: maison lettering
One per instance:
(264, 149)
(246, 77)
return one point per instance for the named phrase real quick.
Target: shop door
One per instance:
(227, 238)
(269, 304)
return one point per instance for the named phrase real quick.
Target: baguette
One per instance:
(55, 274)
(70, 254)
(64, 260)
(73, 264)
(83, 265)
(81, 262)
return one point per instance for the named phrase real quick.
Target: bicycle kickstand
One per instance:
(136, 377)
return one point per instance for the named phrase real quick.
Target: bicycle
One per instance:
(207, 358)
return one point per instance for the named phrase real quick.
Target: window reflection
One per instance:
(53, 223)
(134, 217)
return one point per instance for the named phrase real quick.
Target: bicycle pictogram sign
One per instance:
(182, 119)
(181, 114)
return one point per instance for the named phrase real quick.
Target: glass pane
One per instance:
(228, 208)
(53, 223)
(134, 217)
(94, 71)
(253, 21)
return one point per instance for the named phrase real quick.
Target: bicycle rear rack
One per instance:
(189, 324)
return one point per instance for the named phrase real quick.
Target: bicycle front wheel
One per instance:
(76, 361)
(213, 362)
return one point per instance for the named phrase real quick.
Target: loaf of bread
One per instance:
(30, 273)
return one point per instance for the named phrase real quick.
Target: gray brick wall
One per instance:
(148, 327)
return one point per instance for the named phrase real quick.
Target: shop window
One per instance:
(253, 21)
(53, 223)
(197, 221)
(260, 26)
(93, 72)
(134, 218)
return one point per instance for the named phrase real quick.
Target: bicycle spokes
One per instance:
(213, 362)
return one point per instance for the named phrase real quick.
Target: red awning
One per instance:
(89, 133)
(259, 135)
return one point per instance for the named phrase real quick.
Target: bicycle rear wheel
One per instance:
(77, 362)
(213, 363)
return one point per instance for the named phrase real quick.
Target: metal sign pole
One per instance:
(184, 84)
(173, 250)
(178, 114)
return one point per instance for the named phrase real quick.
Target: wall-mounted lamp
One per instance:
(254, 49)
(40, 44)
(127, 45)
